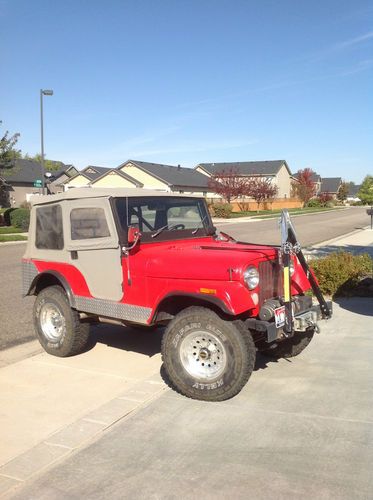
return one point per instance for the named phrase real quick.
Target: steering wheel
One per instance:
(177, 226)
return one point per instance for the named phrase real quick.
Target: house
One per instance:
(85, 177)
(116, 178)
(165, 177)
(276, 170)
(353, 190)
(330, 185)
(59, 177)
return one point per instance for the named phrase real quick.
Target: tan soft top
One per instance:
(77, 193)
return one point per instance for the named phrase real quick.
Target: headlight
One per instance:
(251, 277)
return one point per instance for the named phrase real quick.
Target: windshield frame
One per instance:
(119, 208)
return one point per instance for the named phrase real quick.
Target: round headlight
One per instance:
(251, 277)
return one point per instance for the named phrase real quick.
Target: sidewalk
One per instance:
(294, 421)
(357, 242)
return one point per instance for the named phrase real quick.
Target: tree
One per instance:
(325, 199)
(305, 187)
(366, 190)
(49, 165)
(261, 189)
(8, 152)
(228, 184)
(343, 191)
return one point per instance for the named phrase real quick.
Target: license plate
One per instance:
(280, 316)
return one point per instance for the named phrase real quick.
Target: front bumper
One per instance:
(302, 321)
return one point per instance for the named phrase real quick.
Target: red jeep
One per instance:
(146, 258)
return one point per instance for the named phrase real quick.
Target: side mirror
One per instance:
(133, 236)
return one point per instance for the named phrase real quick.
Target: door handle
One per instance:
(74, 254)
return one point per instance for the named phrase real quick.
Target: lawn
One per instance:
(262, 214)
(10, 230)
(12, 237)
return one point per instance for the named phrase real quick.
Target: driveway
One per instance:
(301, 428)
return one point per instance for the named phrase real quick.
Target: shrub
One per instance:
(6, 215)
(223, 210)
(20, 218)
(314, 203)
(325, 199)
(339, 272)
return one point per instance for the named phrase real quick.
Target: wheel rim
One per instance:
(203, 355)
(52, 322)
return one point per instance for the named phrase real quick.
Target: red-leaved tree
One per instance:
(305, 187)
(228, 184)
(261, 189)
(325, 198)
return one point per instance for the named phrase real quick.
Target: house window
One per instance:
(49, 229)
(88, 223)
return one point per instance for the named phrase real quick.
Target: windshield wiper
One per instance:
(199, 225)
(161, 229)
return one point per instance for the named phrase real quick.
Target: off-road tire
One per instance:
(291, 347)
(75, 336)
(239, 354)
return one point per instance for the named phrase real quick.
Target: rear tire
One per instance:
(291, 347)
(206, 357)
(58, 327)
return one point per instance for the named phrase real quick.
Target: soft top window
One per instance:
(160, 218)
(88, 223)
(49, 230)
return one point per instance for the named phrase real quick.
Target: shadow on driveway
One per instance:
(358, 305)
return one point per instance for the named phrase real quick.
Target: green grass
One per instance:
(262, 214)
(12, 237)
(10, 230)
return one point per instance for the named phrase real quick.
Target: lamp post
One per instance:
(42, 92)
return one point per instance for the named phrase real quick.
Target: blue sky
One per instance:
(189, 81)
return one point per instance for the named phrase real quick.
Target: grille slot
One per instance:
(271, 280)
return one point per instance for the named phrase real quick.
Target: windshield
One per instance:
(164, 218)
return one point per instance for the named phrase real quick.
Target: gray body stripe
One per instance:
(29, 273)
(110, 309)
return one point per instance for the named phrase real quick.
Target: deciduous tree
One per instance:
(228, 184)
(343, 191)
(366, 190)
(305, 187)
(261, 189)
(8, 151)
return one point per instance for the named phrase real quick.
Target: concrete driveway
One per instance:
(299, 429)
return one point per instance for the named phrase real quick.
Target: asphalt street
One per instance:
(311, 229)
(15, 312)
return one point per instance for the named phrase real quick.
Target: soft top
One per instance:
(77, 193)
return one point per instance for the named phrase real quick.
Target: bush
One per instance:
(314, 203)
(339, 272)
(20, 218)
(357, 203)
(6, 215)
(223, 210)
(325, 199)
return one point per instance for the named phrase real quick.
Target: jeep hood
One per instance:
(209, 260)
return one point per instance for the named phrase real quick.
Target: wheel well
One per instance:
(172, 305)
(47, 279)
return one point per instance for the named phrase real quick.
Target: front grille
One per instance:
(271, 280)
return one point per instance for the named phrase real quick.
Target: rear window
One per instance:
(88, 223)
(49, 230)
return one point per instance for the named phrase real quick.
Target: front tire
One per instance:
(291, 347)
(206, 357)
(58, 327)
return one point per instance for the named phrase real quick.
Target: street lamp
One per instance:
(42, 92)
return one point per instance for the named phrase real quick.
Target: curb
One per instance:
(337, 238)
(255, 218)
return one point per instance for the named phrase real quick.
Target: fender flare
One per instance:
(198, 296)
(60, 278)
